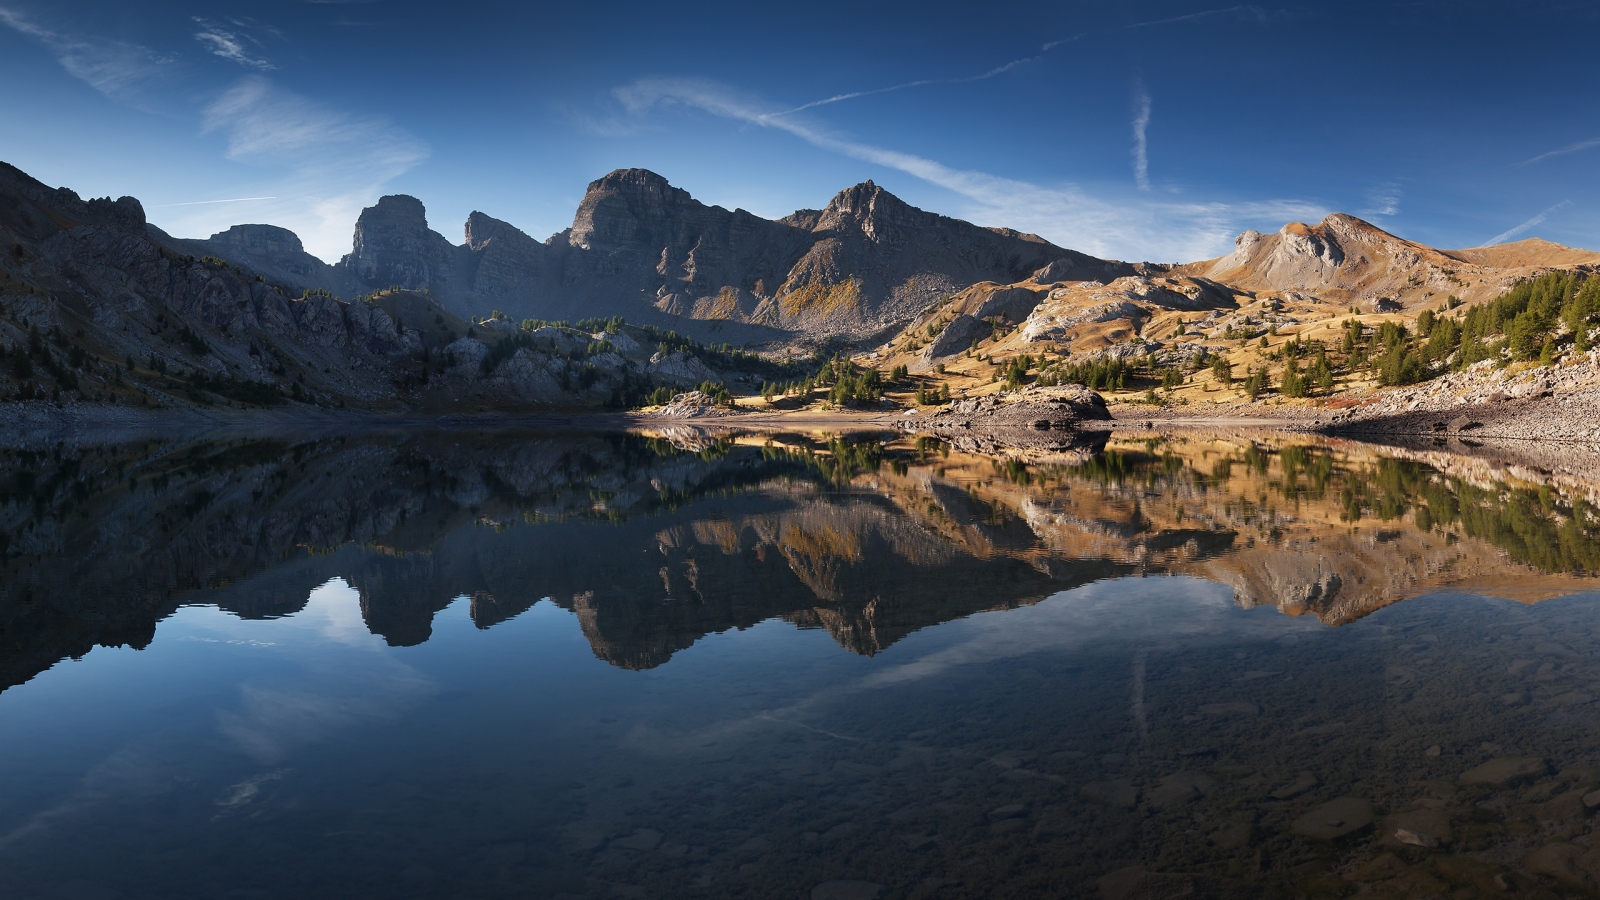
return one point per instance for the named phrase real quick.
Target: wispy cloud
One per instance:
(1141, 145)
(1519, 230)
(1578, 147)
(268, 124)
(315, 166)
(329, 163)
(230, 42)
(1065, 214)
(1383, 201)
(120, 70)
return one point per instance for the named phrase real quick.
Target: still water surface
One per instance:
(535, 665)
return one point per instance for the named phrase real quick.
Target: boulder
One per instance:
(1039, 418)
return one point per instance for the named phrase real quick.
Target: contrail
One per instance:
(1504, 236)
(1260, 15)
(203, 202)
(1563, 151)
(997, 70)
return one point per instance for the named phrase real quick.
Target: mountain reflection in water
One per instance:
(375, 673)
(653, 546)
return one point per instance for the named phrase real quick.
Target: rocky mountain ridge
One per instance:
(867, 263)
(641, 248)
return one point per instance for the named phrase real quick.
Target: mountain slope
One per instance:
(96, 306)
(92, 302)
(877, 261)
(1346, 261)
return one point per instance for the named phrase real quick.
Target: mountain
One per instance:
(98, 306)
(640, 248)
(1301, 283)
(273, 252)
(92, 302)
(1346, 261)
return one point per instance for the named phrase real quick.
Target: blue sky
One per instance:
(1134, 130)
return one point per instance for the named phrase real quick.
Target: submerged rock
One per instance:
(1302, 782)
(1505, 770)
(1334, 819)
(1120, 793)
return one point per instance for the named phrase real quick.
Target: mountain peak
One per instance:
(394, 246)
(482, 228)
(866, 192)
(260, 239)
(869, 208)
(630, 178)
(624, 204)
(397, 206)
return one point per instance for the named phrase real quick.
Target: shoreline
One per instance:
(1543, 414)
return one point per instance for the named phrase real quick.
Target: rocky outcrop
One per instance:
(1039, 419)
(693, 405)
(1081, 267)
(973, 314)
(1062, 315)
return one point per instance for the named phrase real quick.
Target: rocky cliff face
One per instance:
(393, 246)
(640, 236)
(865, 264)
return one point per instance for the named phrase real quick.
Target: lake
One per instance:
(461, 663)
